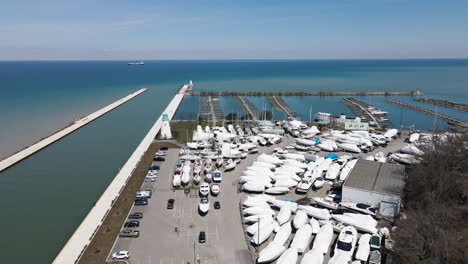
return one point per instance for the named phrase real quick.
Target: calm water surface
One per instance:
(46, 196)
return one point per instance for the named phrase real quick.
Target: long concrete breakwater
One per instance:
(444, 103)
(85, 232)
(451, 120)
(30, 150)
(322, 93)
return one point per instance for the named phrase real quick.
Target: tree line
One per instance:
(432, 230)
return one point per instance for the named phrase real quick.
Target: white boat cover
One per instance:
(269, 159)
(302, 238)
(411, 149)
(314, 256)
(363, 250)
(255, 218)
(414, 137)
(317, 213)
(347, 169)
(277, 190)
(390, 133)
(349, 147)
(258, 210)
(253, 187)
(323, 239)
(294, 156)
(285, 182)
(282, 203)
(262, 234)
(295, 163)
(288, 257)
(262, 222)
(333, 171)
(360, 223)
(270, 252)
(315, 225)
(284, 215)
(253, 200)
(283, 233)
(300, 219)
(264, 164)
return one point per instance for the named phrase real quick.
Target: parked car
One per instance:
(129, 233)
(141, 201)
(163, 148)
(121, 255)
(170, 204)
(132, 223)
(150, 179)
(178, 164)
(217, 205)
(136, 215)
(159, 159)
(144, 194)
(155, 167)
(160, 153)
(202, 237)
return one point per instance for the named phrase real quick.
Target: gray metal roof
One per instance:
(377, 177)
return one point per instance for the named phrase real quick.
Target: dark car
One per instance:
(163, 148)
(217, 205)
(132, 223)
(155, 167)
(159, 159)
(202, 237)
(135, 216)
(141, 201)
(170, 204)
(129, 233)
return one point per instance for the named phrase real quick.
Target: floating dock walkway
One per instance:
(210, 109)
(76, 245)
(416, 93)
(250, 108)
(279, 104)
(444, 103)
(28, 151)
(451, 120)
(361, 108)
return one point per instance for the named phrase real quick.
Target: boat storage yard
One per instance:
(280, 197)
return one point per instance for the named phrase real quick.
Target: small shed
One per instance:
(377, 184)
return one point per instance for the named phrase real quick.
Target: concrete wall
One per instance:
(76, 245)
(372, 198)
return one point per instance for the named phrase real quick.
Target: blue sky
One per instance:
(241, 29)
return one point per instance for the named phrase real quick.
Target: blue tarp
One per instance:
(331, 156)
(317, 140)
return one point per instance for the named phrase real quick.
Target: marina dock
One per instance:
(210, 109)
(250, 108)
(451, 120)
(444, 103)
(360, 108)
(231, 93)
(279, 104)
(30, 150)
(80, 239)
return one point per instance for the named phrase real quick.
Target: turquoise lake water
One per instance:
(44, 198)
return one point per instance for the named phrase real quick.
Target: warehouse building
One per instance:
(377, 184)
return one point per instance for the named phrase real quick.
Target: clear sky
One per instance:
(238, 29)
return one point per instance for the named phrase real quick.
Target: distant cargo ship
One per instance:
(136, 63)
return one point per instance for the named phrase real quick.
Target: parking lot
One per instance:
(159, 242)
(171, 235)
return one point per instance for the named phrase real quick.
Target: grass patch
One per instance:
(100, 246)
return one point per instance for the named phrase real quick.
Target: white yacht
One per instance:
(204, 205)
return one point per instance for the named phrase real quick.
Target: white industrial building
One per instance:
(377, 184)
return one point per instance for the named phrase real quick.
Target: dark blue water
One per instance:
(44, 198)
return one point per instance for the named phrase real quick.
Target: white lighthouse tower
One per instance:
(166, 128)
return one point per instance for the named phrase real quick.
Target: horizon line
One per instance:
(133, 60)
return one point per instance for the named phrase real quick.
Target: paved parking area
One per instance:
(225, 238)
(160, 243)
